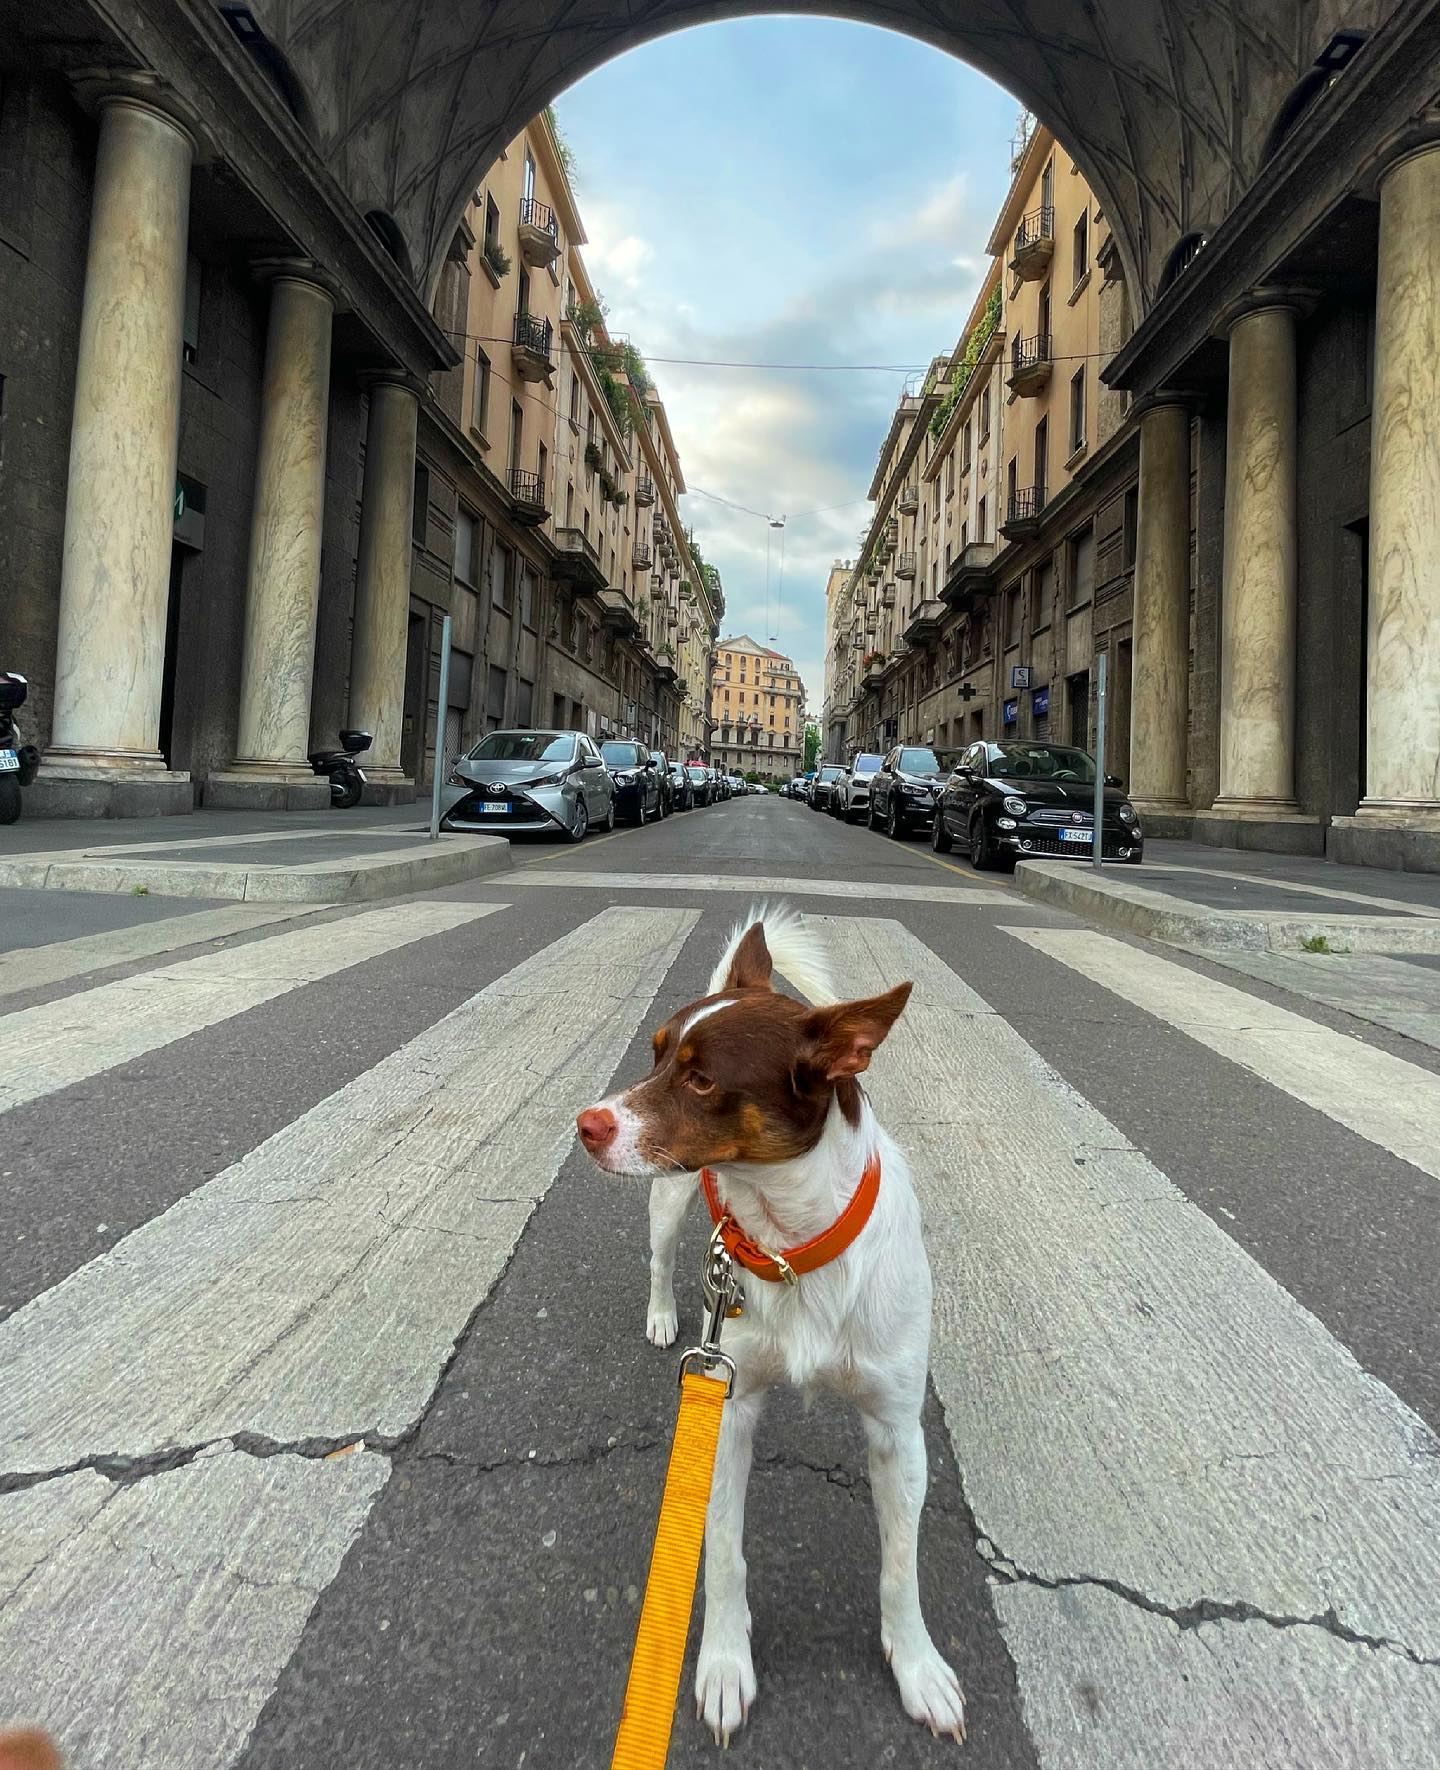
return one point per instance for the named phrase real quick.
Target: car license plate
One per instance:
(495, 807)
(9, 762)
(1085, 836)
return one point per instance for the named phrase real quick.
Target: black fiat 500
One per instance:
(1006, 802)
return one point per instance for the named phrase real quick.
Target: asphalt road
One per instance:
(331, 1436)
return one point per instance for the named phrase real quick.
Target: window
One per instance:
(575, 400)
(523, 300)
(490, 242)
(1131, 527)
(964, 536)
(1082, 565)
(1077, 410)
(527, 596)
(467, 548)
(980, 522)
(965, 447)
(482, 390)
(543, 469)
(1012, 615)
(1047, 185)
(517, 433)
(557, 711)
(502, 565)
(529, 175)
(984, 414)
(1044, 593)
(525, 702)
(420, 511)
(949, 475)
(495, 698)
(1081, 248)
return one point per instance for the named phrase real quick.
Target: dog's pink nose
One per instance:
(597, 1127)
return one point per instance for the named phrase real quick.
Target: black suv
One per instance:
(667, 782)
(903, 790)
(1006, 802)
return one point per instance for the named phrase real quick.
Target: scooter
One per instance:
(19, 762)
(347, 778)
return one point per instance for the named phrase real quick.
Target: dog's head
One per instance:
(743, 1075)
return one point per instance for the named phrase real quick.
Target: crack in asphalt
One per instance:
(1203, 1610)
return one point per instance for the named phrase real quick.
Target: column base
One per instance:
(386, 786)
(1268, 826)
(1402, 835)
(69, 786)
(267, 786)
(1169, 819)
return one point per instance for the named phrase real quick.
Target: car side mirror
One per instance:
(1114, 780)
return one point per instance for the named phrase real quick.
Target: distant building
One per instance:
(757, 703)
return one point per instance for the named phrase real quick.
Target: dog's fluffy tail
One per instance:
(796, 947)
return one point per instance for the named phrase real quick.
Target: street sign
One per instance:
(1040, 703)
(1012, 712)
(967, 691)
(1020, 676)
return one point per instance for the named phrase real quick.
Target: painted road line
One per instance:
(1380, 1097)
(146, 1624)
(767, 886)
(317, 1287)
(36, 967)
(1135, 1403)
(1315, 888)
(60, 1043)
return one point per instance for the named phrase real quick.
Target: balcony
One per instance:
(578, 560)
(1034, 244)
(971, 576)
(644, 491)
(887, 596)
(616, 613)
(534, 350)
(874, 674)
(539, 234)
(908, 502)
(1029, 365)
(905, 565)
(924, 624)
(643, 556)
(1022, 513)
(527, 498)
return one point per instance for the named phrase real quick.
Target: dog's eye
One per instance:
(699, 1082)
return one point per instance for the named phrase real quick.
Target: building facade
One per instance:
(758, 705)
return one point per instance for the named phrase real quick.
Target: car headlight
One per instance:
(1015, 805)
(916, 792)
(549, 780)
(1127, 815)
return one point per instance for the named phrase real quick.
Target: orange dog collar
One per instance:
(819, 1251)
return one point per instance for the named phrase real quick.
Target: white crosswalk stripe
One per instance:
(964, 894)
(1136, 1403)
(1394, 1103)
(59, 1043)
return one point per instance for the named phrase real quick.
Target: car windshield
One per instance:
(697, 773)
(864, 765)
(620, 755)
(1052, 762)
(831, 774)
(524, 746)
(919, 762)
(658, 756)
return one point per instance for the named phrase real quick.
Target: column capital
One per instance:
(296, 269)
(1163, 397)
(1294, 298)
(370, 379)
(97, 89)
(1419, 135)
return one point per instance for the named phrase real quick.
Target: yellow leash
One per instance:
(643, 1739)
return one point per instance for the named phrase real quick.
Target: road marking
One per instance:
(147, 1624)
(34, 967)
(1380, 1097)
(966, 873)
(60, 1043)
(1406, 906)
(317, 1287)
(1134, 1399)
(768, 886)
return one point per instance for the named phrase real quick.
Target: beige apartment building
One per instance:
(758, 709)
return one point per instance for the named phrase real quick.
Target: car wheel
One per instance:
(940, 836)
(894, 826)
(609, 823)
(578, 829)
(982, 846)
(9, 800)
(871, 820)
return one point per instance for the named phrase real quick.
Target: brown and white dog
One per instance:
(761, 1090)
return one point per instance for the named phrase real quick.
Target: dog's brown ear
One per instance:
(752, 967)
(840, 1041)
(28, 1748)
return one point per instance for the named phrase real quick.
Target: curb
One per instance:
(1157, 916)
(351, 880)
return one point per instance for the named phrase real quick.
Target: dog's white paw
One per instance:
(724, 1685)
(929, 1690)
(662, 1323)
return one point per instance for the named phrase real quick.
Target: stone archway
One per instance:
(1165, 106)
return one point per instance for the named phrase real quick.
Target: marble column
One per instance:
(1258, 592)
(382, 580)
(1402, 756)
(119, 506)
(283, 585)
(1160, 692)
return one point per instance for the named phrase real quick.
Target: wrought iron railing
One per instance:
(1038, 225)
(1029, 353)
(534, 213)
(527, 488)
(1024, 504)
(533, 334)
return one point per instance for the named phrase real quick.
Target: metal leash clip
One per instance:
(723, 1297)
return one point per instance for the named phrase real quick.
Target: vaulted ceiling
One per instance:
(1165, 104)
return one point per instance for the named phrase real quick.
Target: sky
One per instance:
(786, 191)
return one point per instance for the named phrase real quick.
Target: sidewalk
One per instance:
(324, 857)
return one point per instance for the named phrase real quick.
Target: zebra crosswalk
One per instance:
(1209, 1535)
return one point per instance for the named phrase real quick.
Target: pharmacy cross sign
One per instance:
(967, 691)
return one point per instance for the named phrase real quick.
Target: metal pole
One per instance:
(1097, 840)
(440, 714)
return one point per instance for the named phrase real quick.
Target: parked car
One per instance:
(682, 793)
(514, 782)
(851, 800)
(1005, 801)
(737, 784)
(720, 784)
(636, 779)
(667, 785)
(701, 784)
(822, 785)
(903, 790)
